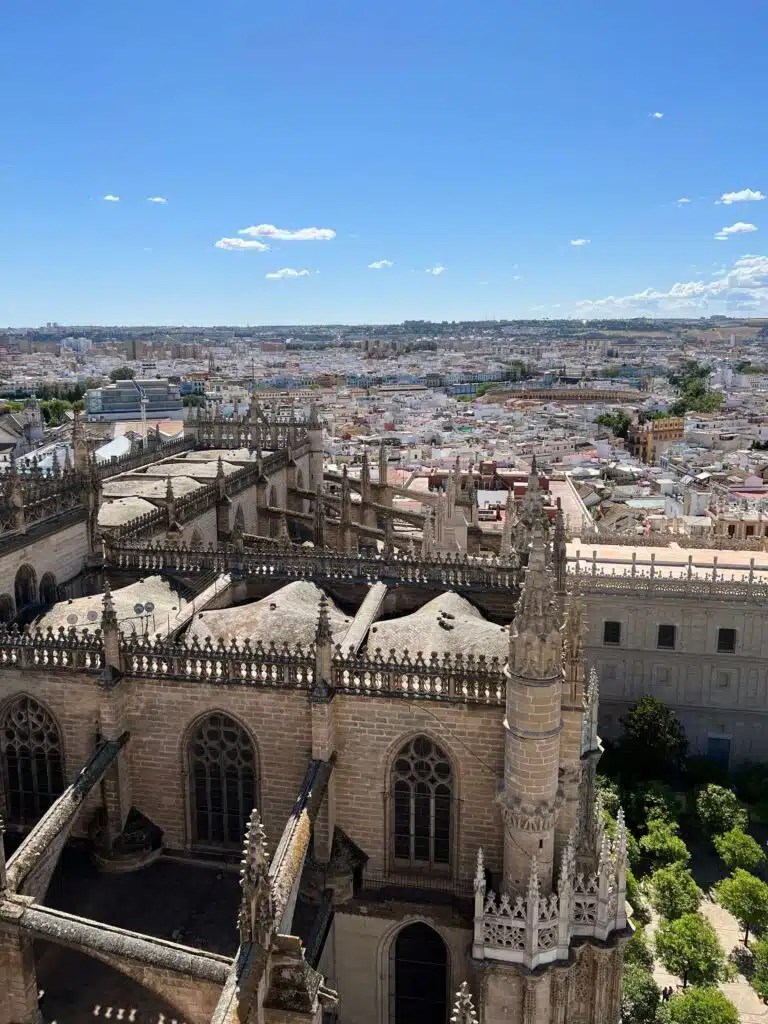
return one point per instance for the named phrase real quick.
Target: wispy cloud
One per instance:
(742, 288)
(109, 198)
(381, 264)
(746, 195)
(739, 228)
(580, 241)
(279, 275)
(156, 199)
(656, 115)
(284, 235)
(436, 271)
(516, 277)
(683, 200)
(233, 244)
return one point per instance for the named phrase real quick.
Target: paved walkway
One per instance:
(751, 1008)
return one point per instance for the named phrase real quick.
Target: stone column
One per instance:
(18, 992)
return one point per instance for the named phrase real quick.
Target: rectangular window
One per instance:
(666, 637)
(611, 632)
(726, 641)
(719, 750)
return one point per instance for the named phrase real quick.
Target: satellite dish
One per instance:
(138, 608)
(149, 607)
(92, 615)
(72, 619)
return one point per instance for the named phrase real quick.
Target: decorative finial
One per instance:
(533, 881)
(323, 633)
(463, 1009)
(480, 870)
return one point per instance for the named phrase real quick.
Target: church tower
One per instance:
(548, 947)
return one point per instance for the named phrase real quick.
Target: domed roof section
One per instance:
(447, 624)
(289, 615)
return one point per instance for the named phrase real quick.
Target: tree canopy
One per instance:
(746, 897)
(690, 949)
(673, 891)
(759, 979)
(662, 845)
(122, 373)
(640, 996)
(719, 810)
(652, 744)
(701, 1006)
(618, 421)
(739, 850)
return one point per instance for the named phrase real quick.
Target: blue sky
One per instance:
(478, 138)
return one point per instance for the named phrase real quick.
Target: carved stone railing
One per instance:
(450, 678)
(238, 662)
(662, 539)
(442, 571)
(44, 650)
(640, 576)
(533, 929)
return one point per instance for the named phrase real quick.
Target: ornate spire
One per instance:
(382, 464)
(67, 461)
(389, 545)
(365, 478)
(256, 917)
(538, 612)
(590, 740)
(319, 519)
(283, 536)
(55, 468)
(559, 553)
(428, 537)
(505, 550)
(323, 652)
(323, 633)
(463, 1009)
(3, 876)
(480, 869)
(532, 892)
(110, 633)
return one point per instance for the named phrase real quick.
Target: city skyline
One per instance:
(341, 166)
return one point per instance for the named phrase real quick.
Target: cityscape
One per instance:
(383, 513)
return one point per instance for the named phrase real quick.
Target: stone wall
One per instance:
(61, 553)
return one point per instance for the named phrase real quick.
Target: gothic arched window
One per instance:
(420, 987)
(6, 608)
(48, 589)
(25, 587)
(223, 780)
(422, 796)
(31, 759)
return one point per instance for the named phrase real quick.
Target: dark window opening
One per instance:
(420, 976)
(32, 765)
(223, 784)
(611, 632)
(422, 797)
(666, 637)
(726, 641)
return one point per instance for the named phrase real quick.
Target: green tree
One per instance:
(739, 850)
(652, 744)
(719, 810)
(641, 913)
(690, 949)
(746, 897)
(640, 996)
(638, 950)
(122, 373)
(701, 1006)
(673, 891)
(662, 845)
(759, 979)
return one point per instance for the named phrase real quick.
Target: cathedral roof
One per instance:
(289, 615)
(447, 624)
(88, 610)
(123, 510)
(197, 470)
(147, 487)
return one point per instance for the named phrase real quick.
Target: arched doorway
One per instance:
(48, 589)
(223, 781)
(33, 772)
(420, 991)
(6, 608)
(25, 587)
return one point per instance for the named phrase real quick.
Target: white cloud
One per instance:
(283, 235)
(279, 275)
(739, 228)
(683, 200)
(743, 287)
(580, 241)
(435, 271)
(234, 244)
(109, 198)
(156, 199)
(516, 277)
(381, 264)
(657, 115)
(746, 195)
